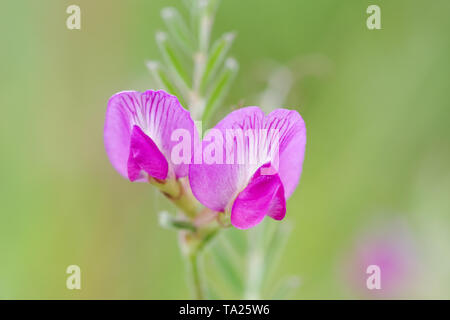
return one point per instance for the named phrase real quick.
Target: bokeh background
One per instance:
(376, 177)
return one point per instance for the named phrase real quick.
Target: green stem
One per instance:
(255, 265)
(195, 275)
(182, 197)
(192, 244)
(196, 98)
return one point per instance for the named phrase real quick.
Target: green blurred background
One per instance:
(376, 106)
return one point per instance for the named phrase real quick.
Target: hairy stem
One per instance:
(197, 99)
(255, 266)
(192, 244)
(180, 195)
(195, 275)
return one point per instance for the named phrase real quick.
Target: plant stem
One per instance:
(197, 99)
(179, 194)
(192, 244)
(195, 275)
(255, 265)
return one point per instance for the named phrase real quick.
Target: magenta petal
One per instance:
(264, 195)
(144, 154)
(134, 170)
(216, 185)
(158, 115)
(291, 147)
(277, 209)
(117, 133)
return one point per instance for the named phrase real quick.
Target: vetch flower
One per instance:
(389, 245)
(250, 164)
(138, 134)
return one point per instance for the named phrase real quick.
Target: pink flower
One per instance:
(391, 247)
(252, 173)
(137, 134)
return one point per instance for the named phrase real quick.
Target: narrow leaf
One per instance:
(210, 6)
(220, 88)
(275, 245)
(237, 240)
(216, 57)
(255, 262)
(171, 59)
(211, 291)
(286, 288)
(225, 265)
(167, 221)
(178, 30)
(162, 80)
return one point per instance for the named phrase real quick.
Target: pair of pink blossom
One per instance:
(138, 140)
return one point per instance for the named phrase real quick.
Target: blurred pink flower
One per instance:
(391, 248)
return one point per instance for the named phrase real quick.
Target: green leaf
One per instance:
(228, 269)
(206, 10)
(166, 220)
(255, 262)
(162, 80)
(276, 242)
(216, 57)
(210, 6)
(173, 62)
(237, 240)
(220, 88)
(178, 30)
(211, 291)
(286, 288)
